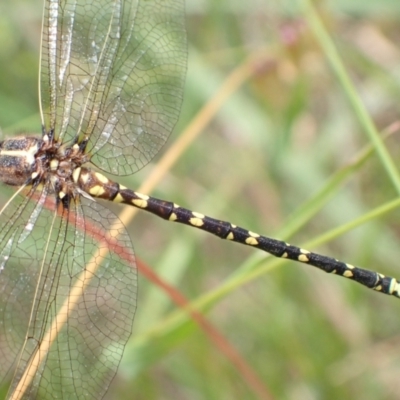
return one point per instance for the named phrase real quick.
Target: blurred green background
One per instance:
(276, 142)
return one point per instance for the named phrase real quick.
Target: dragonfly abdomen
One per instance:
(97, 185)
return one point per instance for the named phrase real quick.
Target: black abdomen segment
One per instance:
(98, 185)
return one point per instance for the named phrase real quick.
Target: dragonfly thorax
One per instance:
(29, 159)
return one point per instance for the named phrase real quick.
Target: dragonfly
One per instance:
(112, 75)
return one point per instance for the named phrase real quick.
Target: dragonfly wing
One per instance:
(113, 71)
(19, 270)
(84, 301)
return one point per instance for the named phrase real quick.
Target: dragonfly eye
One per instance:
(18, 159)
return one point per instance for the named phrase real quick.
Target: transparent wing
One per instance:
(70, 297)
(113, 71)
(18, 274)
